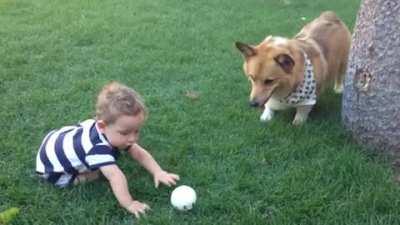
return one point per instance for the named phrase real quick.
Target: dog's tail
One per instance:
(330, 16)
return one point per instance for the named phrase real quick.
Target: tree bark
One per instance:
(371, 98)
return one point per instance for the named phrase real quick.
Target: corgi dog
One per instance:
(293, 72)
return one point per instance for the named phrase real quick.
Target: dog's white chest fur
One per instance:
(304, 94)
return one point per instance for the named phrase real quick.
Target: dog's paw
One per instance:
(266, 115)
(298, 121)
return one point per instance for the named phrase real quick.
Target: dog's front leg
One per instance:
(267, 114)
(301, 114)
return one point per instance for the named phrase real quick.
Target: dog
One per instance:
(287, 73)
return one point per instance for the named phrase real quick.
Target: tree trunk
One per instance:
(371, 98)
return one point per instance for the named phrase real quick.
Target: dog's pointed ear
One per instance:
(285, 61)
(245, 49)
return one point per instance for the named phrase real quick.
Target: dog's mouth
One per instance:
(258, 104)
(263, 96)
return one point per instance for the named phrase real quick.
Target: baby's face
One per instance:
(124, 131)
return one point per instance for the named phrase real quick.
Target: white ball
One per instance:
(183, 198)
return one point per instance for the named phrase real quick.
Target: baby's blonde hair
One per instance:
(115, 100)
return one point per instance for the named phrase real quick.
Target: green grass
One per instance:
(56, 55)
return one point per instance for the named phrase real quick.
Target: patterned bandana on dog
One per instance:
(305, 91)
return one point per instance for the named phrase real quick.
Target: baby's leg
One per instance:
(60, 180)
(87, 177)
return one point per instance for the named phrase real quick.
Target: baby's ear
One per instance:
(101, 125)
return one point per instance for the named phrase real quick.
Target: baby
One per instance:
(76, 154)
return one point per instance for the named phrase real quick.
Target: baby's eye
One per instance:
(124, 133)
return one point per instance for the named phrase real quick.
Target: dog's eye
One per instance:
(268, 81)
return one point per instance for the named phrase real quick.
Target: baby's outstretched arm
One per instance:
(149, 163)
(119, 186)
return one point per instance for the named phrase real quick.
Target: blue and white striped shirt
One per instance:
(75, 149)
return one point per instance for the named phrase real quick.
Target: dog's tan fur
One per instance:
(276, 66)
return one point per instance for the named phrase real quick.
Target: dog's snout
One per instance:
(254, 104)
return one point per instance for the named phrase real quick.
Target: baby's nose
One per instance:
(133, 138)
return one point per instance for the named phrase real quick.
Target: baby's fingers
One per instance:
(169, 181)
(141, 211)
(146, 207)
(156, 182)
(137, 215)
(138, 208)
(172, 181)
(175, 176)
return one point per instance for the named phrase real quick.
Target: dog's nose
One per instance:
(253, 104)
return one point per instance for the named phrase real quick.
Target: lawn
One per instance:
(180, 55)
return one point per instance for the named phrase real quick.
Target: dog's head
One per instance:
(269, 66)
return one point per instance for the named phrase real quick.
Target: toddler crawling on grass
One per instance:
(76, 154)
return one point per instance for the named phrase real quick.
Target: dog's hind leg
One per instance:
(338, 86)
(339, 79)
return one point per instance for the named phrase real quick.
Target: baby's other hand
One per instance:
(138, 208)
(166, 178)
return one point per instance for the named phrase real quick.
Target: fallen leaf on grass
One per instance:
(192, 94)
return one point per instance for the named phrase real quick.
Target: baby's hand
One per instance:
(138, 208)
(165, 178)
